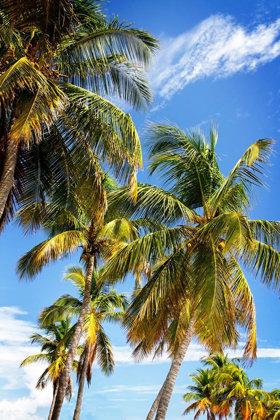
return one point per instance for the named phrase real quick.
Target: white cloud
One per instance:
(14, 348)
(217, 47)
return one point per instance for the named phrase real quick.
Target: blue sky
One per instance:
(219, 61)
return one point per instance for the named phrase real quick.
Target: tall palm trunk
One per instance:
(154, 407)
(10, 159)
(7, 177)
(75, 342)
(173, 372)
(56, 386)
(81, 385)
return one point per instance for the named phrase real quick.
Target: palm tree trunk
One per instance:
(75, 342)
(54, 398)
(154, 407)
(77, 411)
(173, 372)
(7, 177)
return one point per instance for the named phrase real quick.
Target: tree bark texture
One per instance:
(7, 177)
(77, 411)
(154, 407)
(173, 372)
(54, 398)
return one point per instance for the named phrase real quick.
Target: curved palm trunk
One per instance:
(77, 411)
(75, 342)
(7, 177)
(173, 372)
(154, 407)
(54, 398)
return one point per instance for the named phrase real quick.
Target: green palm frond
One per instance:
(92, 106)
(51, 19)
(41, 357)
(151, 247)
(264, 261)
(215, 308)
(152, 201)
(137, 46)
(235, 200)
(248, 171)
(185, 162)
(66, 306)
(49, 250)
(40, 102)
(266, 231)
(76, 274)
(107, 302)
(104, 355)
(111, 77)
(230, 231)
(244, 302)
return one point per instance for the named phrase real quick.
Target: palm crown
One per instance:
(105, 305)
(208, 241)
(54, 347)
(58, 60)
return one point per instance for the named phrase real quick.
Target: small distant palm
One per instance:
(202, 392)
(225, 390)
(54, 349)
(105, 305)
(273, 406)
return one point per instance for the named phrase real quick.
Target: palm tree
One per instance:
(248, 397)
(225, 388)
(209, 236)
(105, 305)
(202, 392)
(72, 224)
(273, 406)
(54, 348)
(58, 59)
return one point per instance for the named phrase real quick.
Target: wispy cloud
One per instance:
(139, 389)
(217, 47)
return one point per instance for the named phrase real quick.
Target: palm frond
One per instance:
(263, 260)
(104, 355)
(53, 19)
(41, 357)
(266, 231)
(245, 306)
(185, 162)
(123, 152)
(137, 46)
(111, 77)
(248, 171)
(152, 202)
(39, 103)
(76, 274)
(148, 248)
(49, 250)
(65, 306)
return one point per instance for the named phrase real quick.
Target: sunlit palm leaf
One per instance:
(49, 250)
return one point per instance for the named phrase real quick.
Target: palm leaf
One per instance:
(247, 172)
(49, 250)
(104, 356)
(152, 202)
